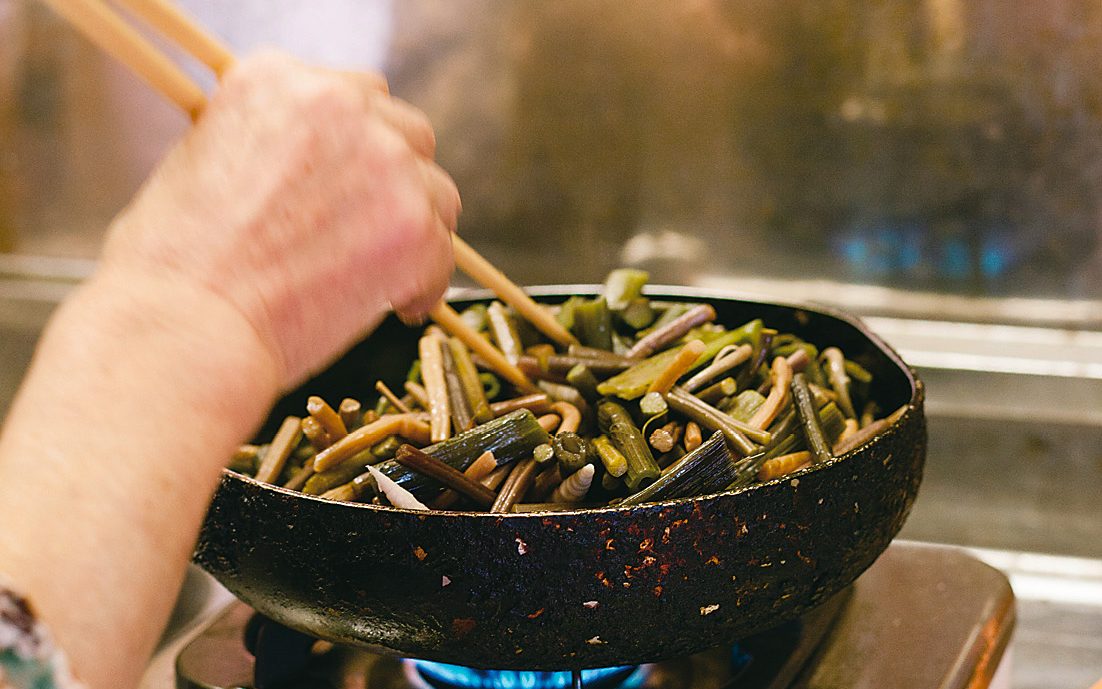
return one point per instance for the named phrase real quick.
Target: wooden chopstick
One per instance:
(179, 28)
(486, 274)
(453, 323)
(99, 22)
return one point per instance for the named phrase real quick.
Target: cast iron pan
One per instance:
(571, 590)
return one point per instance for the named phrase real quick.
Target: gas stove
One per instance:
(922, 616)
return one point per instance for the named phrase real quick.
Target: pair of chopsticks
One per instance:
(101, 23)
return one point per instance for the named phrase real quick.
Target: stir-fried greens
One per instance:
(656, 401)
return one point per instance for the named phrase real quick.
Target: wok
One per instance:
(571, 590)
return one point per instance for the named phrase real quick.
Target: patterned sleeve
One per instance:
(28, 658)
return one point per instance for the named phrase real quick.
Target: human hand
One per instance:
(306, 199)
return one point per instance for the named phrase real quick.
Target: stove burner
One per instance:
(242, 650)
(423, 674)
(903, 624)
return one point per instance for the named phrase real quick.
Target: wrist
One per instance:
(183, 345)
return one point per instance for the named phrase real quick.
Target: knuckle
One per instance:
(325, 99)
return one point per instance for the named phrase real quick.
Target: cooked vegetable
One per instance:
(351, 412)
(718, 391)
(424, 463)
(693, 436)
(362, 438)
(839, 381)
(314, 433)
(504, 331)
(785, 464)
(574, 487)
(614, 461)
(436, 388)
(593, 323)
(615, 421)
(686, 358)
(462, 418)
(389, 396)
(537, 403)
(469, 381)
(634, 381)
(318, 483)
(707, 469)
(593, 421)
(778, 394)
(571, 417)
(283, 444)
(622, 286)
(519, 481)
(571, 451)
(510, 438)
(477, 471)
(809, 419)
(665, 437)
(398, 496)
(713, 419)
(326, 417)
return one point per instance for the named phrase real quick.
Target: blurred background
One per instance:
(934, 166)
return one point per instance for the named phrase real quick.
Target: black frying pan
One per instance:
(570, 590)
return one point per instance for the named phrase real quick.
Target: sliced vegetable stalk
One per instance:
(839, 381)
(745, 405)
(428, 465)
(565, 393)
(571, 451)
(340, 474)
(582, 379)
(761, 340)
(637, 314)
(718, 391)
(510, 437)
(469, 381)
(672, 331)
(593, 323)
(781, 374)
(725, 360)
(436, 390)
(707, 469)
(634, 382)
(615, 421)
(614, 461)
(462, 416)
(714, 420)
(809, 420)
(622, 285)
(504, 331)
(788, 437)
(783, 465)
(516, 486)
(624, 293)
(475, 317)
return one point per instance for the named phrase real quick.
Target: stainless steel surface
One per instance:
(923, 144)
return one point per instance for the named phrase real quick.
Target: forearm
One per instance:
(100, 545)
(298, 210)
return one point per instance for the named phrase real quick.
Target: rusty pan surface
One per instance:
(579, 589)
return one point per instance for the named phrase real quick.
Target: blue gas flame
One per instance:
(444, 676)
